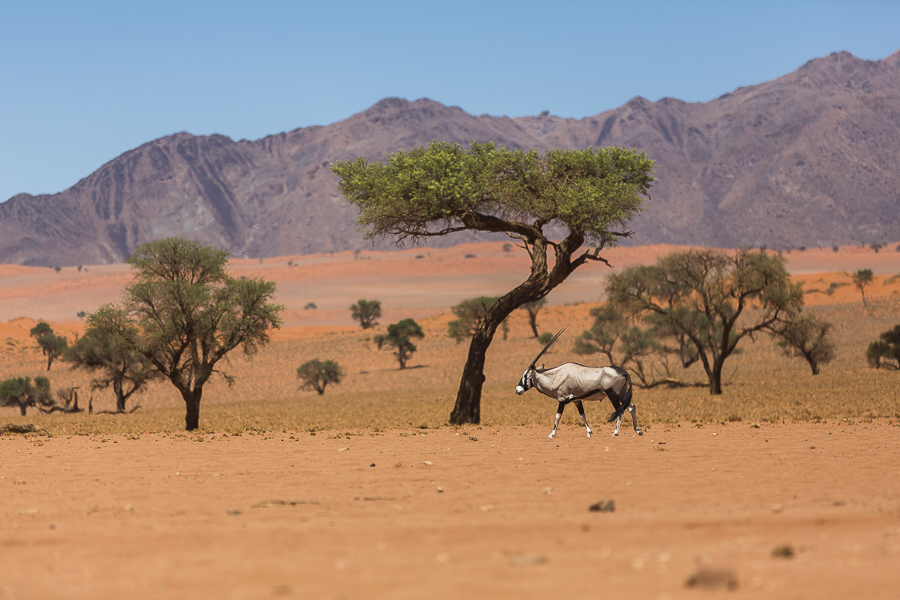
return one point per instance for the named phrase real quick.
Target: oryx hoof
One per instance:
(551, 436)
(639, 432)
(615, 434)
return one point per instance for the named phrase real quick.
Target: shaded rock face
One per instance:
(809, 159)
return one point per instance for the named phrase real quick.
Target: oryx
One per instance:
(572, 382)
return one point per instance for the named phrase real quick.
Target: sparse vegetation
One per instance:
(470, 314)
(884, 353)
(184, 313)
(399, 336)
(808, 337)
(52, 346)
(532, 309)
(23, 392)
(366, 312)
(317, 374)
(713, 299)
(861, 279)
(103, 351)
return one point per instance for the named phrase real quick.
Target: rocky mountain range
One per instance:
(809, 159)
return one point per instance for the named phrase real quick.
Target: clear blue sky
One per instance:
(84, 81)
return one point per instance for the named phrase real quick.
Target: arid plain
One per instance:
(786, 486)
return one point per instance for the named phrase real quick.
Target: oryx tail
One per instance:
(625, 400)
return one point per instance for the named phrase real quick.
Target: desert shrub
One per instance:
(366, 312)
(22, 392)
(317, 374)
(884, 353)
(399, 337)
(52, 345)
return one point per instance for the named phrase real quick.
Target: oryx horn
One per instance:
(550, 343)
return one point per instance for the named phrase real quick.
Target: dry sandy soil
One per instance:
(781, 511)
(802, 510)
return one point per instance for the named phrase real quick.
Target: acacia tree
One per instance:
(533, 308)
(469, 314)
(714, 299)
(443, 188)
(52, 346)
(103, 351)
(21, 392)
(885, 351)
(399, 337)
(808, 337)
(316, 374)
(861, 279)
(611, 331)
(185, 314)
(367, 312)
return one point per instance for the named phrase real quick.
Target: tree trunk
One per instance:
(23, 408)
(120, 397)
(468, 398)
(532, 320)
(192, 406)
(715, 377)
(812, 363)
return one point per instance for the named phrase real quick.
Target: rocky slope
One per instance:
(808, 159)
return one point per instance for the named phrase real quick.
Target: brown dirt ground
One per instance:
(480, 512)
(449, 513)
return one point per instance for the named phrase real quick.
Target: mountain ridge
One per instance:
(807, 159)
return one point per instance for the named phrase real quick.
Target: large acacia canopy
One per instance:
(444, 187)
(563, 200)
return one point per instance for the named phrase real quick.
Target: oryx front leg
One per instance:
(559, 411)
(580, 408)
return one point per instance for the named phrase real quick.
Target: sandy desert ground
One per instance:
(758, 507)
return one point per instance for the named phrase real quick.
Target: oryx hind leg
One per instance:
(633, 412)
(580, 408)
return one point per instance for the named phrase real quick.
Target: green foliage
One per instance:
(712, 299)
(545, 338)
(316, 374)
(469, 315)
(21, 392)
(105, 350)
(807, 337)
(185, 314)
(367, 312)
(884, 353)
(443, 187)
(399, 337)
(861, 279)
(52, 345)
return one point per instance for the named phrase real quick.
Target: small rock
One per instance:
(605, 505)
(713, 579)
(786, 551)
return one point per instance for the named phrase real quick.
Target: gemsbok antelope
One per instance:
(571, 382)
